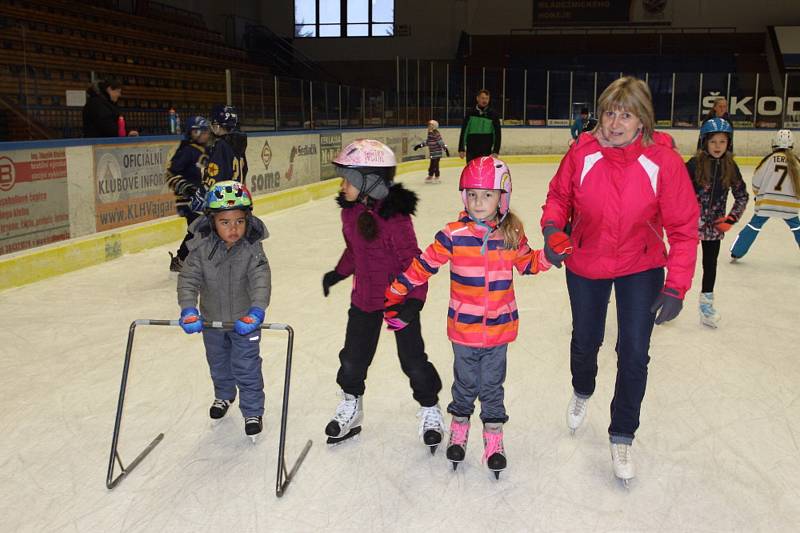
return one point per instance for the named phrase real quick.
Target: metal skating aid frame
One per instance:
(283, 477)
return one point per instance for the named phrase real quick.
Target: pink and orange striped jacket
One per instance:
(482, 310)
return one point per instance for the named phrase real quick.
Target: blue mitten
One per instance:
(250, 322)
(190, 320)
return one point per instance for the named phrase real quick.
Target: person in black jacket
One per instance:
(100, 113)
(480, 132)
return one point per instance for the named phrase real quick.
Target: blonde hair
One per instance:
(793, 165)
(512, 230)
(632, 95)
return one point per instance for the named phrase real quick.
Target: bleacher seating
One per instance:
(48, 47)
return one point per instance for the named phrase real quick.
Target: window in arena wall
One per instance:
(344, 18)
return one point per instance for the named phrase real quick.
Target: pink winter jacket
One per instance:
(619, 202)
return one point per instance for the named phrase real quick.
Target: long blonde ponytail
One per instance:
(512, 230)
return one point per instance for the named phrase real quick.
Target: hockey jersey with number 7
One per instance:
(774, 188)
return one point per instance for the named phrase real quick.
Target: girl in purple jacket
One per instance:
(380, 244)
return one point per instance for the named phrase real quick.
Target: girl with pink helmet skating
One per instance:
(483, 246)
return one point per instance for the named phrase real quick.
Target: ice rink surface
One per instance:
(717, 449)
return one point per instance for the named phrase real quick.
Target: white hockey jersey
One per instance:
(773, 188)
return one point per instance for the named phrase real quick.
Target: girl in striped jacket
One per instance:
(483, 247)
(437, 149)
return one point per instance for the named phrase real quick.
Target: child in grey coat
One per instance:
(228, 269)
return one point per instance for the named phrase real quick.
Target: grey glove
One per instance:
(667, 305)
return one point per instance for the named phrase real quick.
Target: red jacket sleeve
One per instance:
(679, 215)
(347, 263)
(404, 241)
(558, 207)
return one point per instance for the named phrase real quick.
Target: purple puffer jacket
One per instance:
(375, 264)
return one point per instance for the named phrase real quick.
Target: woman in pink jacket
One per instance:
(619, 189)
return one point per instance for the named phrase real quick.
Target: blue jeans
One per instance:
(479, 373)
(748, 235)
(589, 299)
(234, 361)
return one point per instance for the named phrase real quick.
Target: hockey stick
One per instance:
(283, 477)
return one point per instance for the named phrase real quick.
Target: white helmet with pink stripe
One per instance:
(366, 153)
(487, 173)
(369, 166)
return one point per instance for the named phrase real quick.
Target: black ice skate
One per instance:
(457, 447)
(253, 426)
(346, 422)
(493, 452)
(219, 408)
(431, 426)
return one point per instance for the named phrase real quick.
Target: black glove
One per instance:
(446, 151)
(405, 313)
(418, 146)
(329, 280)
(667, 304)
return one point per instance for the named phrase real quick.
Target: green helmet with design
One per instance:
(227, 195)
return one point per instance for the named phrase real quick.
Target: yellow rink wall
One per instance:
(32, 265)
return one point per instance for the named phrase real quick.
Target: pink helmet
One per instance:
(366, 153)
(487, 173)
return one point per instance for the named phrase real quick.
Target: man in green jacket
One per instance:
(480, 132)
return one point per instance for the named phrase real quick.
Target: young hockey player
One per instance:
(227, 160)
(483, 246)
(185, 178)
(380, 243)
(714, 173)
(436, 147)
(776, 186)
(228, 269)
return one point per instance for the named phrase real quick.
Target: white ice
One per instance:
(717, 449)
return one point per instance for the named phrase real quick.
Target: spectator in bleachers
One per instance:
(101, 114)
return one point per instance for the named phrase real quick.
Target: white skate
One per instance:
(346, 422)
(431, 426)
(576, 412)
(708, 315)
(622, 461)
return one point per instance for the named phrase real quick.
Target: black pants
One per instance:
(360, 343)
(190, 217)
(710, 255)
(479, 153)
(433, 168)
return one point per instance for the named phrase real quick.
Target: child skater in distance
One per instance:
(483, 246)
(228, 269)
(714, 173)
(436, 147)
(776, 186)
(380, 243)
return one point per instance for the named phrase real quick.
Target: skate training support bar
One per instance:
(283, 477)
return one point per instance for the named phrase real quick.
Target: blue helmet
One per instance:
(715, 125)
(197, 123)
(226, 116)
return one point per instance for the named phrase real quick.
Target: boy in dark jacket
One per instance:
(480, 132)
(227, 159)
(185, 178)
(377, 227)
(228, 269)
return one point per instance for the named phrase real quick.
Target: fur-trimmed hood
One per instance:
(400, 201)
